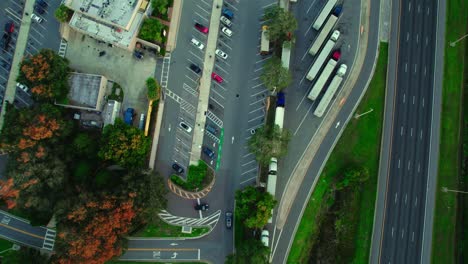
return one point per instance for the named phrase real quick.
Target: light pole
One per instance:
(452, 44)
(357, 116)
(14, 247)
(445, 189)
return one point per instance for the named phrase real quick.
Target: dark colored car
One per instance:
(228, 13)
(228, 220)
(102, 53)
(9, 27)
(202, 207)
(138, 54)
(177, 168)
(210, 153)
(6, 38)
(128, 116)
(195, 68)
(201, 28)
(39, 9)
(337, 10)
(213, 130)
(281, 99)
(41, 3)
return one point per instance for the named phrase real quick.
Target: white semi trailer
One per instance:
(332, 88)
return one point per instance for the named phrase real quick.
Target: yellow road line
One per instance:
(21, 231)
(162, 249)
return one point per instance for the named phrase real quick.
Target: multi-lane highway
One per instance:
(403, 225)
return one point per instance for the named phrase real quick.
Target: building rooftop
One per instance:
(85, 89)
(116, 12)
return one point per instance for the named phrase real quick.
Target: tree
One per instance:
(281, 25)
(254, 207)
(93, 231)
(151, 30)
(8, 193)
(160, 6)
(268, 142)
(63, 13)
(126, 145)
(47, 75)
(353, 177)
(154, 89)
(84, 145)
(275, 76)
(249, 251)
(25, 255)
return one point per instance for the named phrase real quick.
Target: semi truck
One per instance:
(318, 63)
(323, 78)
(324, 14)
(323, 35)
(332, 88)
(265, 42)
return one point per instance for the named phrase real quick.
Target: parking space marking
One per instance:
(13, 14)
(207, 12)
(182, 142)
(210, 115)
(246, 181)
(255, 86)
(221, 68)
(256, 78)
(249, 171)
(230, 5)
(209, 5)
(3, 78)
(253, 111)
(250, 162)
(217, 84)
(224, 44)
(255, 94)
(222, 106)
(223, 61)
(305, 34)
(37, 32)
(213, 137)
(32, 47)
(202, 17)
(218, 94)
(303, 97)
(188, 77)
(263, 59)
(266, 6)
(256, 118)
(195, 55)
(20, 6)
(256, 70)
(258, 101)
(248, 154)
(190, 90)
(40, 43)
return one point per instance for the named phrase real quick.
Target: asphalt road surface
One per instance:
(407, 218)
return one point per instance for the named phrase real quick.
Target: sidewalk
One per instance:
(299, 172)
(205, 82)
(21, 42)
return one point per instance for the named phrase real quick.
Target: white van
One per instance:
(265, 238)
(226, 21)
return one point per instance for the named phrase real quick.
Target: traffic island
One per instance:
(199, 182)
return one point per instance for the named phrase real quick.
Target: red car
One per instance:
(201, 28)
(216, 77)
(336, 55)
(9, 27)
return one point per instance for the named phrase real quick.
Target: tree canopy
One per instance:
(268, 142)
(281, 23)
(275, 76)
(151, 30)
(63, 13)
(154, 89)
(249, 251)
(254, 206)
(123, 144)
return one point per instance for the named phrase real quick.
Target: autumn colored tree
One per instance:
(93, 231)
(46, 73)
(8, 193)
(123, 144)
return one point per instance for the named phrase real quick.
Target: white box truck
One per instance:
(324, 14)
(265, 42)
(332, 88)
(318, 63)
(323, 35)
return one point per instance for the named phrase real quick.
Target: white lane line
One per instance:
(409, 6)
(191, 79)
(303, 97)
(256, 70)
(255, 94)
(253, 178)
(219, 85)
(255, 118)
(224, 44)
(398, 163)
(207, 12)
(263, 60)
(202, 17)
(196, 56)
(414, 98)
(266, 6)
(256, 78)
(253, 111)
(217, 93)
(396, 197)
(303, 119)
(313, 2)
(248, 154)
(209, 5)
(404, 98)
(263, 99)
(249, 171)
(221, 68)
(217, 102)
(305, 34)
(255, 86)
(231, 6)
(250, 162)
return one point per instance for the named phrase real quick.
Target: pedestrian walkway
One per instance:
(21, 42)
(205, 82)
(49, 240)
(210, 220)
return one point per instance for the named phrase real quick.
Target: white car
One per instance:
(226, 31)
(226, 21)
(36, 18)
(22, 87)
(221, 53)
(265, 238)
(197, 44)
(185, 127)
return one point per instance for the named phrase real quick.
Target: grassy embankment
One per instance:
(359, 145)
(446, 229)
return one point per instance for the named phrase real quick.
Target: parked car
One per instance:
(102, 53)
(138, 54)
(185, 127)
(228, 220)
(216, 77)
(226, 21)
(41, 3)
(141, 125)
(201, 28)
(128, 116)
(265, 238)
(228, 13)
(36, 18)
(210, 153)
(221, 54)
(213, 130)
(226, 31)
(22, 87)
(197, 44)
(202, 207)
(177, 168)
(195, 68)
(5, 41)
(9, 27)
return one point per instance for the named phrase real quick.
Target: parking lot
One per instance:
(41, 35)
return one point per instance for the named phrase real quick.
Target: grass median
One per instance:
(446, 245)
(359, 145)
(163, 229)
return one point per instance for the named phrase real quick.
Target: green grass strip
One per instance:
(359, 145)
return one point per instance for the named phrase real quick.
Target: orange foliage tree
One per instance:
(8, 193)
(93, 232)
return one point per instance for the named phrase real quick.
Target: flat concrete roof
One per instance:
(114, 12)
(84, 89)
(105, 32)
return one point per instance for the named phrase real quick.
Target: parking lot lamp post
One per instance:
(453, 44)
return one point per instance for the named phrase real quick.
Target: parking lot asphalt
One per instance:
(41, 35)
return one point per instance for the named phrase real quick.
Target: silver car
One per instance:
(221, 54)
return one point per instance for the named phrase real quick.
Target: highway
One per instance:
(403, 225)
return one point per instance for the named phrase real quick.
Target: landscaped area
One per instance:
(450, 240)
(198, 177)
(340, 210)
